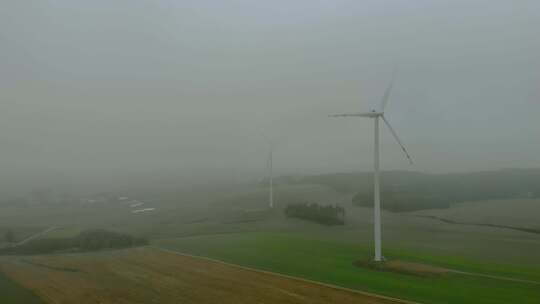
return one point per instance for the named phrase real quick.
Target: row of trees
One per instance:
(102, 239)
(90, 240)
(325, 214)
(404, 190)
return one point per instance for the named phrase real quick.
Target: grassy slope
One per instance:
(331, 262)
(523, 213)
(12, 293)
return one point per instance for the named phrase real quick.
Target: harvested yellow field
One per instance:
(149, 275)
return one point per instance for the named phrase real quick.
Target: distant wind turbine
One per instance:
(376, 188)
(271, 178)
(270, 168)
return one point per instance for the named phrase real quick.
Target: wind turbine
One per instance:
(270, 178)
(270, 168)
(376, 115)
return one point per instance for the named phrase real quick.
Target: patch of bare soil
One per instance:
(411, 268)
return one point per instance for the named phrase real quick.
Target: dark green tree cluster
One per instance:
(90, 240)
(326, 215)
(41, 246)
(102, 239)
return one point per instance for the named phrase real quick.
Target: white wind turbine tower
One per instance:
(270, 168)
(271, 178)
(376, 189)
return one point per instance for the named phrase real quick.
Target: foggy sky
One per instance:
(115, 89)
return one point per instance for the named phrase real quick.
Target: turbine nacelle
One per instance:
(375, 113)
(371, 114)
(380, 113)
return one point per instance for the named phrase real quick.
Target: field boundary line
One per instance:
(336, 287)
(494, 277)
(454, 222)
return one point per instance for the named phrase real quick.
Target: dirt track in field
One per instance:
(149, 275)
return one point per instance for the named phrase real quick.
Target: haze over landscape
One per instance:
(136, 134)
(111, 90)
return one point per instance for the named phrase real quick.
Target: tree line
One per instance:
(90, 240)
(407, 191)
(325, 214)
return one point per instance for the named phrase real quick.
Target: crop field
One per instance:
(325, 260)
(151, 275)
(12, 293)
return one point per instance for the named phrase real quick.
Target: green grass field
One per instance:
(326, 260)
(12, 293)
(234, 226)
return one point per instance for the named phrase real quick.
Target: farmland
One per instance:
(13, 293)
(19, 232)
(329, 261)
(149, 275)
(522, 213)
(471, 264)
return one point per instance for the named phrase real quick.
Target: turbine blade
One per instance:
(367, 114)
(397, 139)
(388, 90)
